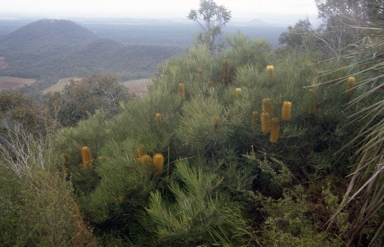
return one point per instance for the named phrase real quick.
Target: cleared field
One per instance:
(138, 87)
(13, 83)
(59, 86)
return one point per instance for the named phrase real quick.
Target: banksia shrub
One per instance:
(265, 122)
(146, 160)
(158, 161)
(86, 157)
(181, 91)
(286, 111)
(266, 105)
(275, 130)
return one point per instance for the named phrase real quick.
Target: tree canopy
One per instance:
(211, 18)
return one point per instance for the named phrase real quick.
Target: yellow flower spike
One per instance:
(286, 111)
(158, 161)
(255, 118)
(270, 70)
(181, 91)
(146, 160)
(158, 118)
(270, 74)
(238, 93)
(86, 157)
(275, 130)
(265, 122)
(140, 152)
(267, 106)
(350, 84)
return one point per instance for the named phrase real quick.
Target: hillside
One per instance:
(54, 49)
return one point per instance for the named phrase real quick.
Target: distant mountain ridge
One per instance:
(57, 31)
(52, 49)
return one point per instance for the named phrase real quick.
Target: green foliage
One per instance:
(287, 223)
(78, 99)
(37, 206)
(366, 183)
(9, 218)
(22, 109)
(47, 212)
(223, 178)
(200, 215)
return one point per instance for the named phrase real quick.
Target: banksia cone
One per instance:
(140, 152)
(350, 84)
(238, 93)
(275, 130)
(146, 160)
(87, 157)
(158, 161)
(181, 91)
(265, 122)
(158, 118)
(255, 118)
(267, 106)
(286, 111)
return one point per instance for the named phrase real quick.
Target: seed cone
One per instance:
(350, 84)
(267, 106)
(86, 157)
(270, 74)
(158, 161)
(146, 160)
(275, 130)
(265, 122)
(140, 152)
(238, 93)
(286, 111)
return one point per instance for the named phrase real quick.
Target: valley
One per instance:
(49, 50)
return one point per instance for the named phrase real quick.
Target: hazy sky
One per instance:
(151, 8)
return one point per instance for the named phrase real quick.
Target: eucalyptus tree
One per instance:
(211, 18)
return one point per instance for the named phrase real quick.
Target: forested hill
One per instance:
(50, 49)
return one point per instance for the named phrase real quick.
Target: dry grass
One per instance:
(13, 83)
